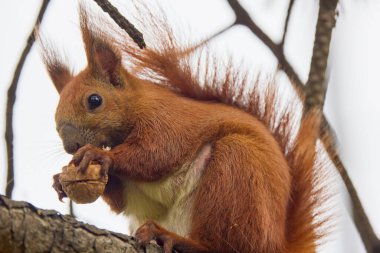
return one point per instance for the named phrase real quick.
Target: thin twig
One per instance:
(243, 18)
(71, 208)
(127, 26)
(212, 37)
(286, 25)
(206, 40)
(12, 99)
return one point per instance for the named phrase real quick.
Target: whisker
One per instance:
(244, 236)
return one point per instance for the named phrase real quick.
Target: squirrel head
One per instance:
(93, 106)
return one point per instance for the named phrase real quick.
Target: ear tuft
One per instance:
(104, 60)
(57, 68)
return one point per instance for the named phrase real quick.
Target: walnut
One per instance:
(80, 187)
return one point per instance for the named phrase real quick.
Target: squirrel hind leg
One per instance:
(152, 231)
(241, 201)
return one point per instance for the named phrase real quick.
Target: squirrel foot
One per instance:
(152, 231)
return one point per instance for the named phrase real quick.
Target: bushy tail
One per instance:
(305, 225)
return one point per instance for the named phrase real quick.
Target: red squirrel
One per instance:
(198, 164)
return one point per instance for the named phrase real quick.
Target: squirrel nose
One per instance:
(71, 148)
(71, 138)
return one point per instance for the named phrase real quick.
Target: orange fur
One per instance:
(257, 190)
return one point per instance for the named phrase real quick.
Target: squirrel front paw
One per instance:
(58, 187)
(89, 153)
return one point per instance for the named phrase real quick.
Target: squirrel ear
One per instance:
(104, 60)
(60, 75)
(58, 71)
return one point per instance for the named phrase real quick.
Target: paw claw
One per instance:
(58, 187)
(88, 153)
(151, 231)
(144, 235)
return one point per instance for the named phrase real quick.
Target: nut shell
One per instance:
(80, 187)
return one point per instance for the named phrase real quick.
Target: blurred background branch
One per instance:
(288, 13)
(315, 89)
(243, 18)
(11, 99)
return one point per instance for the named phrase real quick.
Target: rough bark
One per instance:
(316, 85)
(25, 228)
(315, 92)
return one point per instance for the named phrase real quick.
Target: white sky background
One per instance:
(352, 102)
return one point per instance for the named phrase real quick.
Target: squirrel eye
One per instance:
(94, 101)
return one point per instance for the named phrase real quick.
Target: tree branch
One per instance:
(71, 208)
(316, 85)
(362, 223)
(243, 18)
(315, 92)
(127, 26)
(12, 99)
(360, 218)
(290, 8)
(23, 226)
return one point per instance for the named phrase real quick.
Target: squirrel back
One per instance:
(190, 141)
(180, 68)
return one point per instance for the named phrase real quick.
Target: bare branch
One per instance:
(23, 226)
(315, 91)
(316, 85)
(206, 40)
(359, 216)
(243, 18)
(11, 99)
(71, 208)
(286, 25)
(127, 26)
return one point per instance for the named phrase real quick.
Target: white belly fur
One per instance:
(168, 201)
